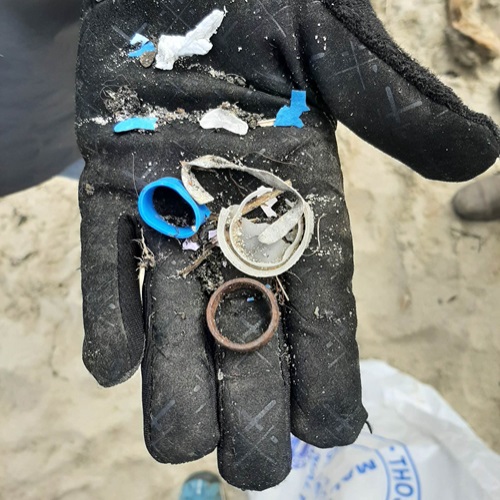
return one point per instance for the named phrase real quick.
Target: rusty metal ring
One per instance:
(232, 286)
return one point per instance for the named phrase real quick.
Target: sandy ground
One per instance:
(427, 285)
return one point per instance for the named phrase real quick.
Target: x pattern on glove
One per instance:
(197, 396)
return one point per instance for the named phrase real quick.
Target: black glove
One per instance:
(198, 396)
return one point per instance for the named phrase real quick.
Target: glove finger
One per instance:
(112, 310)
(384, 96)
(179, 390)
(254, 397)
(320, 322)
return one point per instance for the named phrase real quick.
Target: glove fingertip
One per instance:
(268, 475)
(313, 429)
(111, 370)
(199, 446)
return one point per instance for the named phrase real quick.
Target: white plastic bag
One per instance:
(420, 449)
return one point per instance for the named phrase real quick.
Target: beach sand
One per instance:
(427, 286)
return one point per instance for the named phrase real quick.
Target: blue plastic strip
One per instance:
(136, 123)
(289, 116)
(147, 47)
(153, 219)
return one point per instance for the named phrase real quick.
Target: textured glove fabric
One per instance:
(196, 395)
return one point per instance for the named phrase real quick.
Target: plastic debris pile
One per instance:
(262, 246)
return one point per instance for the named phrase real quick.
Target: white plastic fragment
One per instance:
(195, 43)
(267, 123)
(190, 245)
(267, 208)
(262, 190)
(193, 187)
(222, 118)
(256, 249)
(138, 39)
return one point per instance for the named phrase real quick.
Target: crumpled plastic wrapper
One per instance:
(195, 43)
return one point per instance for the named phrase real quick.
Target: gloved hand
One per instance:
(198, 396)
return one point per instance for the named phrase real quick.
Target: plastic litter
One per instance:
(266, 123)
(222, 118)
(256, 249)
(195, 42)
(145, 45)
(136, 123)
(138, 39)
(267, 208)
(421, 449)
(242, 284)
(262, 194)
(153, 219)
(289, 116)
(190, 246)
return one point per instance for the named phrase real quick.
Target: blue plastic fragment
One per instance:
(289, 116)
(147, 47)
(251, 299)
(136, 123)
(153, 219)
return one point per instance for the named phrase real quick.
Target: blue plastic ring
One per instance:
(153, 219)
